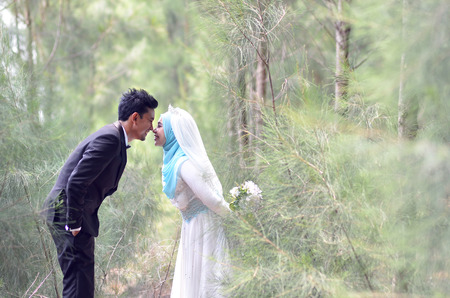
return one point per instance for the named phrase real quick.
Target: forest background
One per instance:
(337, 109)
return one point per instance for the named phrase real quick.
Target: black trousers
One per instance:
(76, 259)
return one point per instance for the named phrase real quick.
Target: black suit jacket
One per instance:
(91, 173)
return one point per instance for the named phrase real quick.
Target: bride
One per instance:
(191, 184)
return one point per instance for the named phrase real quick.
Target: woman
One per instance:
(191, 184)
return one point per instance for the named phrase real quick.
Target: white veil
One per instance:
(188, 136)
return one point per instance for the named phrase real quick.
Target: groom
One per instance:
(91, 173)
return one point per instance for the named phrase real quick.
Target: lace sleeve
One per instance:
(201, 189)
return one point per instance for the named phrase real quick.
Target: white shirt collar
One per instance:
(126, 136)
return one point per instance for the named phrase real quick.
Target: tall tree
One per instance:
(250, 29)
(238, 120)
(407, 105)
(31, 92)
(342, 39)
(262, 64)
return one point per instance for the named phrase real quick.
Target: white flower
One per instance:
(234, 192)
(247, 197)
(252, 188)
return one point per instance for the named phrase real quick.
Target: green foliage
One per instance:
(30, 156)
(340, 208)
(345, 203)
(425, 46)
(347, 207)
(34, 149)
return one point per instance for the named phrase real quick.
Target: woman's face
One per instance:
(160, 137)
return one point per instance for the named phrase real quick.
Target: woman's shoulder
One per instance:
(188, 172)
(187, 167)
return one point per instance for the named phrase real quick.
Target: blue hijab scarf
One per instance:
(173, 157)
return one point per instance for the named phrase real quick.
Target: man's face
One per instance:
(141, 126)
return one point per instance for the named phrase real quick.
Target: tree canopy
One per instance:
(338, 110)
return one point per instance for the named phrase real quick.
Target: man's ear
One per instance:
(134, 117)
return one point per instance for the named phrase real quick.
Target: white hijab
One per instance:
(189, 139)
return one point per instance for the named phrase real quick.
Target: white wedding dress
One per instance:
(202, 263)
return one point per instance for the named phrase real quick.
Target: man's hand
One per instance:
(74, 231)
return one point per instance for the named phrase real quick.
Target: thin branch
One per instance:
(242, 32)
(10, 85)
(58, 36)
(16, 202)
(296, 155)
(333, 195)
(271, 89)
(117, 245)
(360, 63)
(318, 21)
(283, 89)
(357, 259)
(4, 180)
(92, 47)
(265, 239)
(278, 23)
(266, 62)
(31, 285)
(40, 285)
(44, 247)
(170, 262)
(115, 76)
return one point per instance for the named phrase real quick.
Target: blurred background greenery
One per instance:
(338, 110)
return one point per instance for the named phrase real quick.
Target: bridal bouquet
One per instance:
(246, 197)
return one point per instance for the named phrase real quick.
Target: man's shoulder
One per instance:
(109, 129)
(108, 133)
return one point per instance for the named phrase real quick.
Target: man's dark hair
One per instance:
(135, 101)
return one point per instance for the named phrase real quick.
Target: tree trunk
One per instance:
(237, 124)
(402, 130)
(261, 86)
(342, 35)
(28, 23)
(32, 106)
(242, 114)
(407, 105)
(16, 12)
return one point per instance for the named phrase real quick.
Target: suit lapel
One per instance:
(123, 152)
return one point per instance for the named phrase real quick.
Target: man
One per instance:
(91, 173)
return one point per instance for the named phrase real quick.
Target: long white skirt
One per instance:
(202, 262)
